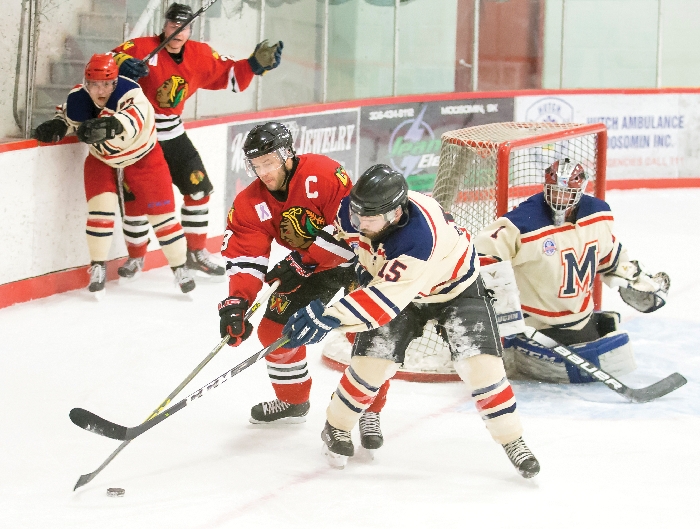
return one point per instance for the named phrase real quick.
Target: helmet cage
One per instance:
(565, 183)
(283, 154)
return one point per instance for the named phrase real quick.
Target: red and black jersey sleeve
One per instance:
(220, 72)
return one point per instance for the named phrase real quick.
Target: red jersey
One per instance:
(169, 84)
(303, 221)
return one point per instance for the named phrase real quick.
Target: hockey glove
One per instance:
(232, 320)
(99, 129)
(50, 131)
(290, 272)
(364, 278)
(265, 57)
(640, 290)
(133, 68)
(309, 325)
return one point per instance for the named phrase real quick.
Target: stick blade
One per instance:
(83, 480)
(95, 424)
(656, 390)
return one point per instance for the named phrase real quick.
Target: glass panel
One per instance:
(299, 79)
(680, 40)
(427, 47)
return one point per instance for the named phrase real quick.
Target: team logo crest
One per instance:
(172, 92)
(342, 175)
(230, 215)
(128, 44)
(278, 303)
(548, 247)
(299, 227)
(196, 177)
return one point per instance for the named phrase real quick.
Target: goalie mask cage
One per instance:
(484, 172)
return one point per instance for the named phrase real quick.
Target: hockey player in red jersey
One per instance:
(111, 114)
(168, 80)
(293, 201)
(418, 266)
(557, 241)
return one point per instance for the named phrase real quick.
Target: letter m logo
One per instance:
(579, 273)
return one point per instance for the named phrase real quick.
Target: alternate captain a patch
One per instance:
(342, 175)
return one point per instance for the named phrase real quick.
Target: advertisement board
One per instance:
(407, 136)
(332, 133)
(649, 135)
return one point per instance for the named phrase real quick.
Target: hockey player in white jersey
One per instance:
(111, 114)
(418, 265)
(557, 241)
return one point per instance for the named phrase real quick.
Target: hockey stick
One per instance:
(93, 423)
(120, 192)
(162, 45)
(87, 478)
(646, 394)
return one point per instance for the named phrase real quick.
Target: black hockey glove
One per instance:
(364, 278)
(309, 325)
(50, 131)
(291, 273)
(266, 57)
(133, 68)
(232, 320)
(99, 129)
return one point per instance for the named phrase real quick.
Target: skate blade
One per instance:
(364, 454)
(284, 420)
(99, 295)
(335, 460)
(131, 279)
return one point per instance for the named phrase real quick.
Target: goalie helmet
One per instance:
(101, 67)
(379, 191)
(564, 183)
(178, 13)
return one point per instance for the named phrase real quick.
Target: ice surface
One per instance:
(605, 461)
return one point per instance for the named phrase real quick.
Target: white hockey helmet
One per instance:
(564, 183)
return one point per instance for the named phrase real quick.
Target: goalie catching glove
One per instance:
(99, 129)
(309, 325)
(232, 320)
(641, 291)
(265, 57)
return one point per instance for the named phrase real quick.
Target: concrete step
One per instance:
(82, 48)
(67, 71)
(101, 25)
(48, 96)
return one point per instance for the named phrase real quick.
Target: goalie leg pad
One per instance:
(500, 279)
(612, 352)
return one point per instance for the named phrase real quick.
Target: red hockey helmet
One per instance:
(101, 67)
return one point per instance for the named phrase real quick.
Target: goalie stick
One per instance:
(87, 478)
(646, 394)
(93, 423)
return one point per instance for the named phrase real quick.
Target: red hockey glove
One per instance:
(291, 273)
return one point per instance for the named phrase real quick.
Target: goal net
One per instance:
(484, 172)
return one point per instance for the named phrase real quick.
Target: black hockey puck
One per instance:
(115, 492)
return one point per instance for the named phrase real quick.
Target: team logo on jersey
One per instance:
(263, 211)
(278, 303)
(196, 177)
(128, 44)
(342, 175)
(579, 273)
(548, 247)
(230, 215)
(172, 92)
(299, 226)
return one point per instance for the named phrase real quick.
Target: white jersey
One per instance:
(555, 266)
(129, 105)
(429, 259)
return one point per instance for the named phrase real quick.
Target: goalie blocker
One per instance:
(523, 357)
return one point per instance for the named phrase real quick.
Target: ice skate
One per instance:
(370, 432)
(131, 269)
(523, 460)
(98, 277)
(203, 261)
(279, 412)
(337, 446)
(184, 279)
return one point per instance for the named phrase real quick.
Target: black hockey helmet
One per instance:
(267, 138)
(379, 190)
(178, 13)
